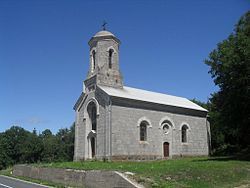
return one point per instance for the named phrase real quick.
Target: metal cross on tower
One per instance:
(104, 25)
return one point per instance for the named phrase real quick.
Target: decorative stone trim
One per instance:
(91, 51)
(91, 134)
(96, 103)
(143, 142)
(169, 127)
(111, 47)
(187, 130)
(144, 119)
(185, 123)
(166, 118)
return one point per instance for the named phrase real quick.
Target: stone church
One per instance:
(116, 122)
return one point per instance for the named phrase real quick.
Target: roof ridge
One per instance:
(156, 92)
(150, 96)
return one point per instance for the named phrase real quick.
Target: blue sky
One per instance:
(44, 51)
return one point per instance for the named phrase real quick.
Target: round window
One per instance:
(165, 128)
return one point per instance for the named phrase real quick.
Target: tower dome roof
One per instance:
(103, 33)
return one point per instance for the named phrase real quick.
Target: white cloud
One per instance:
(33, 120)
(36, 120)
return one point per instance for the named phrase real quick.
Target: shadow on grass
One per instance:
(229, 155)
(225, 158)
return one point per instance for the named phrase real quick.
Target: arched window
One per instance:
(93, 118)
(92, 115)
(184, 133)
(111, 51)
(93, 59)
(143, 131)
(166, 126)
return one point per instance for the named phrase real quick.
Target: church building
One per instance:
(116, 122)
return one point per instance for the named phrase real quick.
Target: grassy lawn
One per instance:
(186, 172)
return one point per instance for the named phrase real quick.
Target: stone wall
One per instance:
(126, 144)
(118, 130)
(76, 178)
(83, 128)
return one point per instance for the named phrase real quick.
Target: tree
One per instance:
(66, 143)
(13, 140)
(18, 145)
(5, 160)
(50, 146)
(202, 104)
(59, 147)
(230, 68)
(31, 149)
(46, 134)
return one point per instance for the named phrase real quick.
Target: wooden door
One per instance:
(166, 149)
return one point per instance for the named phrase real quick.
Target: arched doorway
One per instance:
(92, 124)
(166, 149)
(92, 140)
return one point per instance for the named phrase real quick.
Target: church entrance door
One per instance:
(92, 126)
(166, 149)
(92, 140)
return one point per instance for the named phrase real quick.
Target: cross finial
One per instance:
(104, 25)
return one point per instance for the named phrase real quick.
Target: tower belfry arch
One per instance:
(104, 68)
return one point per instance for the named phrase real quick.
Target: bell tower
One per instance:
(104, 61)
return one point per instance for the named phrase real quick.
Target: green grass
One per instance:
(186, 172)
(6, 172)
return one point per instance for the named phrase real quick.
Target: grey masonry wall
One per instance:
(105, 75)
(126, 142)
(118, 119)
(76, 178)
(83, 127)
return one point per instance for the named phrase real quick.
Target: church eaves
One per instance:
(153, 97)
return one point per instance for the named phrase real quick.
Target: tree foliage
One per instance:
(18, 145)
(230, 69)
